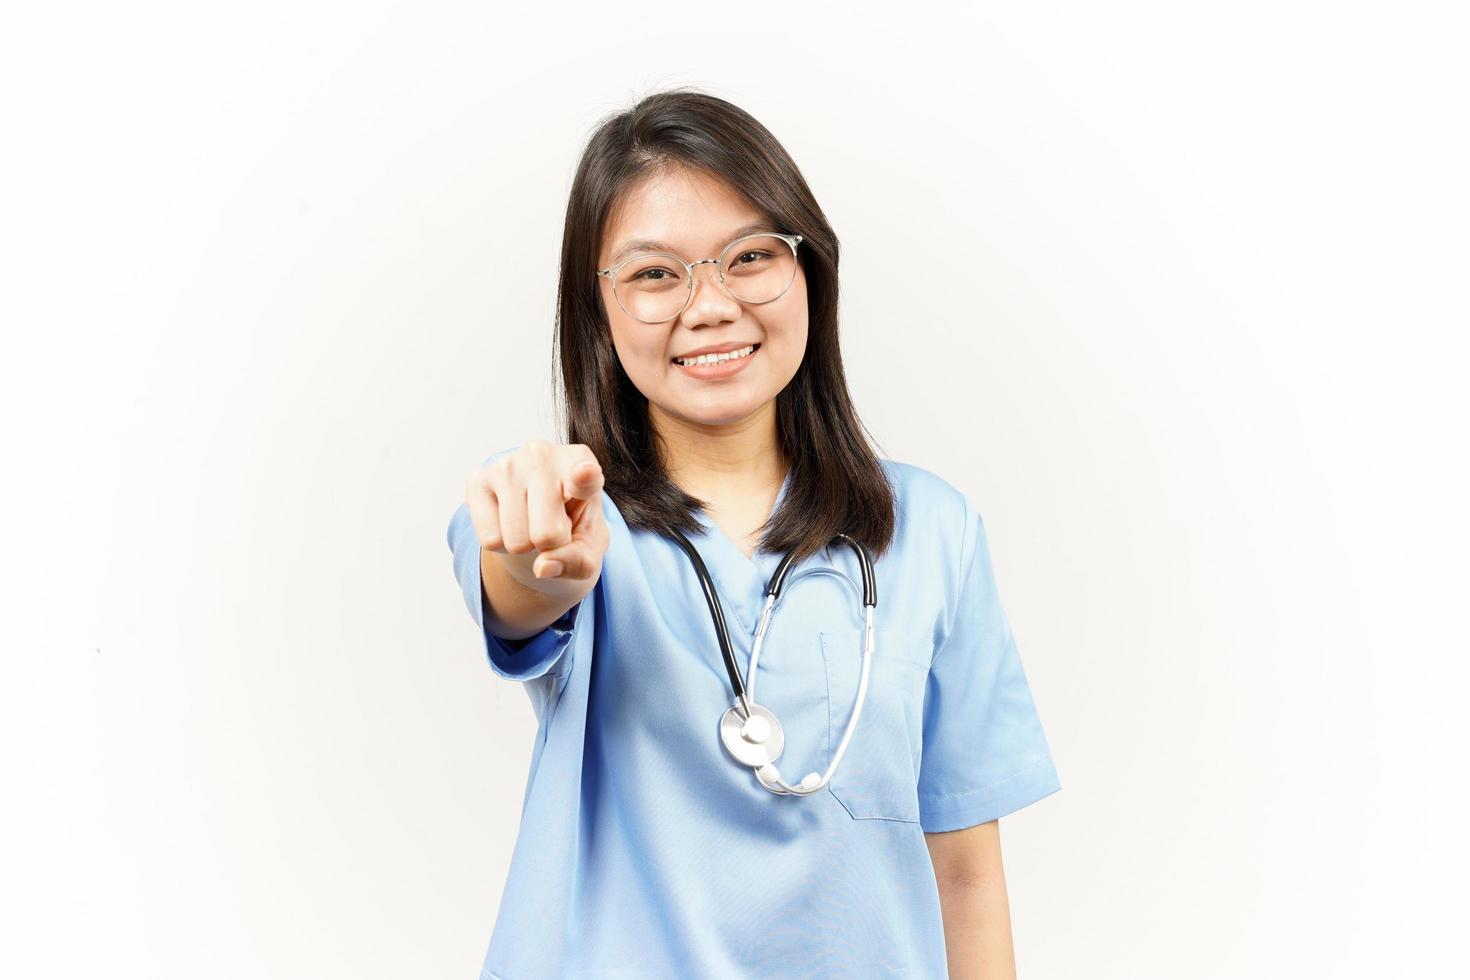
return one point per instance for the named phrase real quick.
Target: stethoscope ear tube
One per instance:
(870, 581)
(773, 590)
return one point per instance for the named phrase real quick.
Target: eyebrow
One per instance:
(651, 246)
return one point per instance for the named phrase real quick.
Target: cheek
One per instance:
(790, 321)
(794, 304)
(639, 351)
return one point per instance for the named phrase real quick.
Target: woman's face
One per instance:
(696, 215)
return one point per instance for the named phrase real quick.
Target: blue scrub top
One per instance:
(645, 850)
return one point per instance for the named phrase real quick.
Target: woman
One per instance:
(646, 847)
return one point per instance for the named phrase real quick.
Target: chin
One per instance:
(717, 410)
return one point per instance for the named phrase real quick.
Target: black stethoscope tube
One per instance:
(773, 591)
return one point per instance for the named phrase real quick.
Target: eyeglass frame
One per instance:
(612, 272)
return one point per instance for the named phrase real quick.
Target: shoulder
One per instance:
(924, 492)
(933, 513)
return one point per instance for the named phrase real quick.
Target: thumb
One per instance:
(578, 560)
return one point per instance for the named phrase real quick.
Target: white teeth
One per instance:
(715, 358)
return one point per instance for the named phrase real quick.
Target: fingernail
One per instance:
(550, 568)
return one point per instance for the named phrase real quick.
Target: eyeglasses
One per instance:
(657, 286)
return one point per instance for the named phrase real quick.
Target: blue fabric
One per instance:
(645, 851)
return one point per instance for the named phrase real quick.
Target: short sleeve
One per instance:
(984, 752)
(517, 660)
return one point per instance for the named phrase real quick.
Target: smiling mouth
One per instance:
(703, 359)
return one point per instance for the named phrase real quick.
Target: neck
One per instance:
(721, 460)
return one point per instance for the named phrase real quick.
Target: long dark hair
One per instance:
(837, 483)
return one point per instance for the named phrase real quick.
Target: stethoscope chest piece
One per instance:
(756, 741)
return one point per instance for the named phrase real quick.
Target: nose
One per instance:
(711, 302)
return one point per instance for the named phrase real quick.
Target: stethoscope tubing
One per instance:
(773, 595)
(766, 772)
(717, 613)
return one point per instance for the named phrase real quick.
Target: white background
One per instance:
(1176, 292)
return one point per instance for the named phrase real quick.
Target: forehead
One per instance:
(685, 211)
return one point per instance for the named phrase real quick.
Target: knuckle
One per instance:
(546, 540)
(526, 465)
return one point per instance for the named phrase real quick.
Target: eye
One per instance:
(648, 275)
(756, 252)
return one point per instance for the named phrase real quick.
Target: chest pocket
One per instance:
(878, 776)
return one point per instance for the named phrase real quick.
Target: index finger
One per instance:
(581, 482)
(584, 479)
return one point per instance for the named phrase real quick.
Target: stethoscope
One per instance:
(749, 731)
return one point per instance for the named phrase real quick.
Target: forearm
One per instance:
(977, 928)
